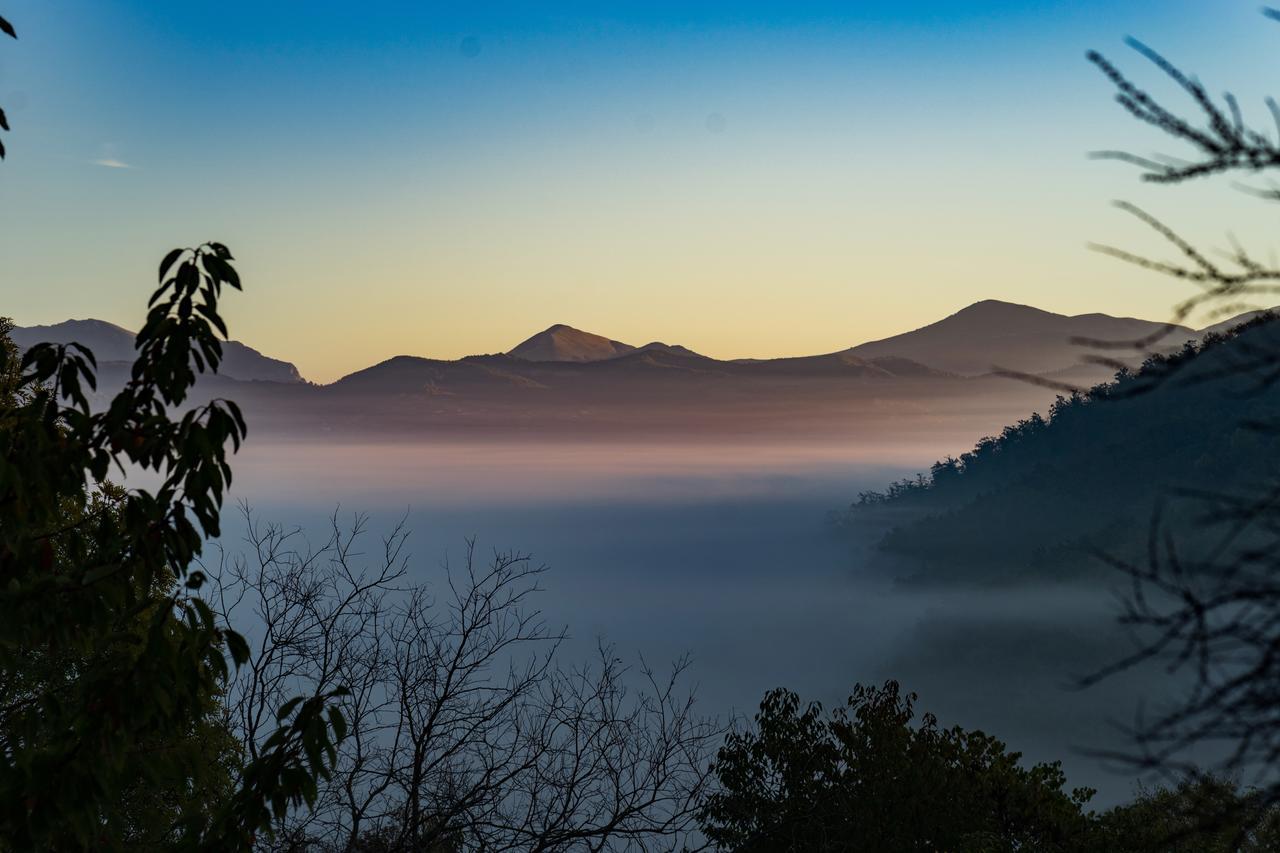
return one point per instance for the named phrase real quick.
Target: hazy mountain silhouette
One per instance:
(110, 342)
(991, 334)
(618, 375)
(929, 383)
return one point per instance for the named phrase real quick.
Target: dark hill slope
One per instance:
(1047, 491)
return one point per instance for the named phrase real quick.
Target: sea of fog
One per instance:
(723, 552)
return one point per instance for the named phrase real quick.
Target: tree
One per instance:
(866, 778)
(1201, 814)
(109, 659)
(464, 733)
(152, 797)
(1206, 595)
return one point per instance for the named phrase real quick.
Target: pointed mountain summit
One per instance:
(565, 343)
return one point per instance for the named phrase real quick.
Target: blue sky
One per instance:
(746, 179)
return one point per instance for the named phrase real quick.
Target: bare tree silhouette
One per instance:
(1205, 598)
(463, 730)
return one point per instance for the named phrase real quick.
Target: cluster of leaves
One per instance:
(7, 29)
(868, 777)
(1200, 814)
(108, 657)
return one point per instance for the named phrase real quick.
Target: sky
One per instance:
(747, 179)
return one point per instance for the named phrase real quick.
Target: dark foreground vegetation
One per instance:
(872, 775)
(1194, 435)
(351, 711)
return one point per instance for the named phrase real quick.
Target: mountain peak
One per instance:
(995, 334)
(110, 342)
(565, 343)
(998, 309)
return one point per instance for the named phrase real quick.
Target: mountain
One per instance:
(1043, 493)
(992, 334)
(842, 364)
(670, 349)
(663, 366)
(650, 393)
(565, 343)
(1231, 323)
(929, 382)
(110, 343)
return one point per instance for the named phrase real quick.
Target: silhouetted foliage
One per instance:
(1193, 435)
(873, 776)
(109, 660)
(870, 776)
(1206, 589)
(1225, 143)
(7, 29)
(1201, 814)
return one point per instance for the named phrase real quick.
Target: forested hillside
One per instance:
(1050, 491)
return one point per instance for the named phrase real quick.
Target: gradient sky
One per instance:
(746, 179)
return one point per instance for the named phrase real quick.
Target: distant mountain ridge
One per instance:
(993, 334)
(971, 342)
(982, 337)
(110, 342)
(642, 366)
(563, 381)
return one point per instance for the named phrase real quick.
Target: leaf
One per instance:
(203, 611)
(1, 150)
(168, 262)
(85, 351)
(4, 122)
(7, 28)
(232, 277)
(237, 646)
(287, 708)
(338, 723)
